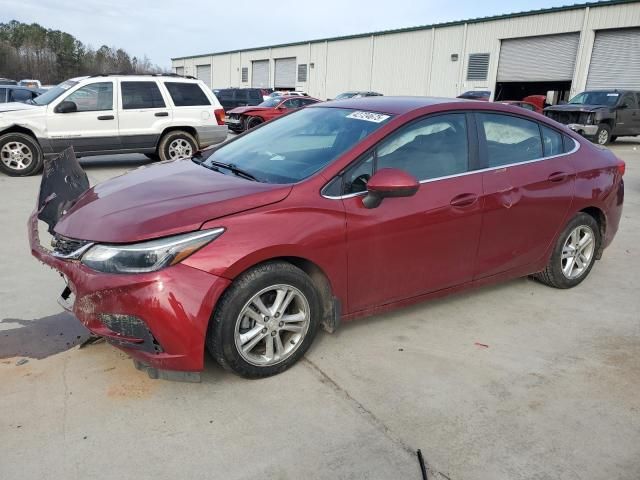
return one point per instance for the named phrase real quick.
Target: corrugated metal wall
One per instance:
(420, 62)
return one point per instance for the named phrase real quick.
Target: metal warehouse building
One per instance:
(563, 49)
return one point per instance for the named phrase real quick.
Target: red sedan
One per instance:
(333, 212)
(243, 118)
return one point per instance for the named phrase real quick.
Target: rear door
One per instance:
(94, 126)
(411, 246)
(191, 106)
(143, 114)
(527, 189)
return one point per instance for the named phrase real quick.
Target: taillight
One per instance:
(621, 167)
(219, 113)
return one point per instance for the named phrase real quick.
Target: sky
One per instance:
(165, 29)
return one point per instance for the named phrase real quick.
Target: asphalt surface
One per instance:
(513, 381)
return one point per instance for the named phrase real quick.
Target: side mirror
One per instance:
(389, 183)
(623, 106)
(66, 107)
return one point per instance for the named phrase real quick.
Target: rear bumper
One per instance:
(585, 130)
(211, 134)
(175, 305)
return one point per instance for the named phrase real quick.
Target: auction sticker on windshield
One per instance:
(368, 116)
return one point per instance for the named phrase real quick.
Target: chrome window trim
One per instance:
(429, 180)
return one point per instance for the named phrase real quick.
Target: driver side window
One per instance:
(93, 97)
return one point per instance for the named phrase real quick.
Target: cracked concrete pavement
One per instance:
(555, 394)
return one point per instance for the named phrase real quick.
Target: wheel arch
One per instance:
(20, 129)
(601, 219)
(188, 129)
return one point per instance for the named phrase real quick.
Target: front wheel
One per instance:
(20, 155)
(177, 144)
(253, 122)
(265, 321)
(574, 253)
(603, 135)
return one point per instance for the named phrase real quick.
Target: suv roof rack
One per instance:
(142, 75)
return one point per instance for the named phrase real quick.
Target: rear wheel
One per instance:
(574, 253)
(265, 321)
(177, 144)
(603, 135)
(20, 155)
(253, 122)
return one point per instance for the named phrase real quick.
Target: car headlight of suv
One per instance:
(147, 256)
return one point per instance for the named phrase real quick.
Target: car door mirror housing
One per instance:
(389, 183)
(623, 106)
(66, 107)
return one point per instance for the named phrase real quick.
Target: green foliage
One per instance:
(52, 56)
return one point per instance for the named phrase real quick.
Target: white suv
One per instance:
(163, 116)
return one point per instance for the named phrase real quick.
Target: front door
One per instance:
(410, 246)
(527, 189)
(93, 127)
(627, 116)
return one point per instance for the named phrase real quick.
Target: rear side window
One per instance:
(569, 143)
(225, 94)
(510, 139)
(551, 141)
(187, 94)
(19, 95)
(255, 95)
(3, 95)
(141, 95)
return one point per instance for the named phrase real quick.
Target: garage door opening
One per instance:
(519, 90)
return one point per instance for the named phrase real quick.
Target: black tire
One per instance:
(167, 140)
(553, 274)
(220, 339)
(603, 135)
(29, 147)
(253, 122)
(152, 156)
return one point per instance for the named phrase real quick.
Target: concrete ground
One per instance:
(554, 393)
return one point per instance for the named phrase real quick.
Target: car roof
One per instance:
(393, 105)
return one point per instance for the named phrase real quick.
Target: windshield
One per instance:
(595, 98)
(53, 93)
(345, 95)
(272, 102)
(296, 146)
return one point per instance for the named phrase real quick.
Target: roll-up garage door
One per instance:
(260, 74)
(538, 59)
(203, 72)
(615, 60)
(179, 70)
(285, 73)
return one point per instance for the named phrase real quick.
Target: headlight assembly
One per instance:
(147, 256)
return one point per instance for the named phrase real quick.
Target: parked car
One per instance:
(522, 104)
(14, 93)
(357, 94)
(231, 98)
(333, 212)
(601, 115)
(7, 81)
(162, 116)
(292, 93)
(481, 95)
(243, 118)
(30, 83)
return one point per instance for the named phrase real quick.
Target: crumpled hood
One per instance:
(160, 200)
(567, 107)
(241, 110)
(15, 106)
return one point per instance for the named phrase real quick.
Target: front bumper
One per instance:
(585, 130)
(211, 134)
(175, 304)
(235, 124)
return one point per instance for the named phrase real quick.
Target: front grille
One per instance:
(581, 118)
(66, 246)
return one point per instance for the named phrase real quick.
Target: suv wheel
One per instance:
(253, 122)
(20, 155)
(177, 144)
(265, 321)
(574, 253)
(603, 135)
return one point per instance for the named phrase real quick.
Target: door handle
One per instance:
(557, 177)
(464, 200)
(161, 114)
(106, 117)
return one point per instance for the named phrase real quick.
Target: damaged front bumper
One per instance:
(584, 130)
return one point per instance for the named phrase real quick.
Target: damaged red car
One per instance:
(243, 118)
(327, 214)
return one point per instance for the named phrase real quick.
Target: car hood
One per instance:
(241, 110)
(567, 107)
(160, 200)
(15, 106)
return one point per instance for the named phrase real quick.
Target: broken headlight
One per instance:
(147, 256)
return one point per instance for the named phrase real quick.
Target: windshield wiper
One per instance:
(238, 171)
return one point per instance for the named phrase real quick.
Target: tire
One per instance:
(253, 122)
(613, 138)
(229, 321)
(555, 274)
(603, 135)
(152, 156)
(177, 144)
(20, 155)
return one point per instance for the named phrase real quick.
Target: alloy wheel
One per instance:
(603, 137)
(180, 148)
(16, 155)
(272, 325)
(578, 252)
